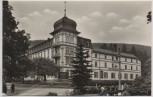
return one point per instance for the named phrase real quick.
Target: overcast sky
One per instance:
(101, 21)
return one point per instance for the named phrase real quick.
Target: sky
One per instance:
(100, 21)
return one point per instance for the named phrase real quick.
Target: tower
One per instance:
(64, 42)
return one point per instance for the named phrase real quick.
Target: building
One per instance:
(104, 65)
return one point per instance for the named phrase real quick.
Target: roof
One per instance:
(64, 22)
(85, 41)
(103, 51)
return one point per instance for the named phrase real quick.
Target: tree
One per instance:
(133, 51)
(15, 42)
(82, 73)
(111, 47)
(114, 47)
(104, 46)
(124, 49)
(149, 17)
(43, 67)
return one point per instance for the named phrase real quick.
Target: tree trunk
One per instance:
(44, 78)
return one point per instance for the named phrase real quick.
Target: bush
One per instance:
(92, 90)
(52, 94)
(75, 92)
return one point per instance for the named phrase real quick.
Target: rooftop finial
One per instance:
(65, 8)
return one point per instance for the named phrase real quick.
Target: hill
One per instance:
(141, 48)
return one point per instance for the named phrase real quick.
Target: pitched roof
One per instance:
(103, 51)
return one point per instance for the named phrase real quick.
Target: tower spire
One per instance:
(65, 9)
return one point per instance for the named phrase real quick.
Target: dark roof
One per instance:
(41, 43)
(103, 51)
(86, 42)
(65, 22)
(35, 42)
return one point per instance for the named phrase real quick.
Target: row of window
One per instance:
(115, 66)
(105, 75)
(41, 46)
(116, 58)
(41, 54)
(69, 50)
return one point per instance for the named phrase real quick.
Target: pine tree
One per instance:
(104, 46)
(114, 47)
(82, 73)
(133, 51)
(111, 46)
(124, 49)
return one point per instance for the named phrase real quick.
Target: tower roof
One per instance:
(66, 23)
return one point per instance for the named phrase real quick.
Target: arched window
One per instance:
(105, 75)
(112, 75)
(131, 76)
(136, 76)
(125, 76)
(120, 75)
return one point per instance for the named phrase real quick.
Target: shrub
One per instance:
(92, 90)
(52, 94)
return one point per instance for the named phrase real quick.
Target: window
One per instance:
(101, 74)
(95, 64)
(44, 54)
(125, 66)
(67, 50)
(95, 55)
(125, 59)
(105, 75)
(136, 76)
(131, 76)
(88, 43)
(32, 76)
(105, 56)
(95, 74)
(105, 64)
(131, 67)
(112, 58)
(131, 60)
(112, 65)
(136, 67)
(112, 75)
(136, 61)
(120, 75)
(125, 76)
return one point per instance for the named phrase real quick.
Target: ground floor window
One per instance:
(131, 76)
(101, 74)
(105, 75)
(95, 74)
(125, 76)
(112, 75)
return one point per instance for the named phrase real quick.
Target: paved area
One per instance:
(39, 91)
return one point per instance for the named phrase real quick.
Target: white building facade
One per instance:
(61, 49)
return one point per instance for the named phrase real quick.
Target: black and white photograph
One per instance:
(76, 48)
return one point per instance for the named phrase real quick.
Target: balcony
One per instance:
(56, 55)
(54, 45)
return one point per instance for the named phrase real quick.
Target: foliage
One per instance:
(133, 51)
(124, 49)
(52, 94)
(15, 42)
(43, 67)
(92, 90)
(104, 46)
(141, 86)
(114, 47)
(108, 82)
(82, 70)
(149, 17)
